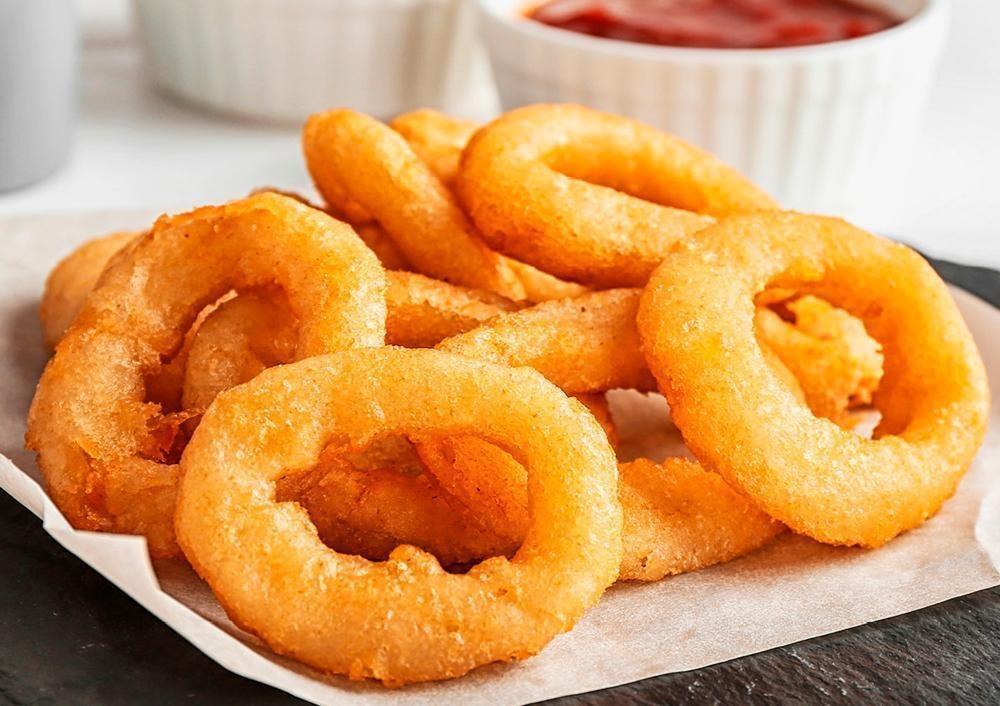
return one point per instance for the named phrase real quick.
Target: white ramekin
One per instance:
(824, 128)
(281, 60)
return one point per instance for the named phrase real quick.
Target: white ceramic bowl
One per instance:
(824, 128)
(281, 60)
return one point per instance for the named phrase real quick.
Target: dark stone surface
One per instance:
(67, 636)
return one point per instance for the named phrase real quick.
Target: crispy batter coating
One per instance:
(438, 139)
(71, 280)
(353, 154)
(838, 364)
(678, 517)
(107, 454)
(258, 329)
(403, 620)
(592, 197)
(590, 343)
(424, 311)
(383, 246)
(371, 511)
(585, 344)
(242, 337)
(739, 420)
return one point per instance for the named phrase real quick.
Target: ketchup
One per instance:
(720, 24)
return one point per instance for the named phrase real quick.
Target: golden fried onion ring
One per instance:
(106, 453)
(696, 319)
(404, 620)
(592, 197)
(71, 280)
(354, 156)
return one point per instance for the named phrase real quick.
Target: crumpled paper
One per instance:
(792, 590)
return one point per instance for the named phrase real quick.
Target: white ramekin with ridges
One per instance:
(281, 60)
(824, 128)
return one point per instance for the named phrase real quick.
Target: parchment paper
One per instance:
(792, 590)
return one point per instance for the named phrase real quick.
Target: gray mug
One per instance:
(39, 50)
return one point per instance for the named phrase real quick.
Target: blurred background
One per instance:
(137, 145)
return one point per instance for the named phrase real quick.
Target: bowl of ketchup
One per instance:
(717, 24)
(818, 101)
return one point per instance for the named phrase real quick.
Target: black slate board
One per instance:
(67, 636)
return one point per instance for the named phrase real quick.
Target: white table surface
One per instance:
(136, 149)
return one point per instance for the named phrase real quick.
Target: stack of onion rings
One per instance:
(175, 368)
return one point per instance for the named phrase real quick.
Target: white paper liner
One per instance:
(792, 590)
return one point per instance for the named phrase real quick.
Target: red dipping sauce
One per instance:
(717, 24)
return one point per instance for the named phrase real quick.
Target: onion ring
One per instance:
(404, 196)
(106, 454)
(822, 481)
(592, 197)
(404, 620)
(72, 279)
